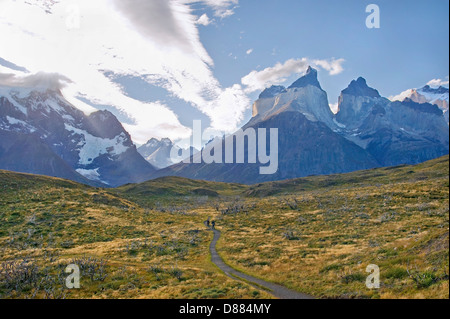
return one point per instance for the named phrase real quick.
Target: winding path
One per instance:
(274, 289)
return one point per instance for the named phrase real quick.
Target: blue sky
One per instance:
(159, 65)
(409, 49)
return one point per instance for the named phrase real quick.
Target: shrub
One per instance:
(330, 268)
(93, 268)
(423, 279)
(19, 275)
(396, 273)
(349, 278)
(175, 272)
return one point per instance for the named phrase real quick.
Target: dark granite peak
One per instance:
(310, 78)
(359, 87)
(439, 90)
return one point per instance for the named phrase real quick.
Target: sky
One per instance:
(160, 64)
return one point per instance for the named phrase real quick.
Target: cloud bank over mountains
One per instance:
(83, 45)
(278, 74)
(51, 81)
(439, 82)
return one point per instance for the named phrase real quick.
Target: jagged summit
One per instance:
(60, 140)
(105, 125)
(359, 87)
(310, 78)
(305, 96)
(439, 90)
(273, 91)
(158, 152)
(421, 107)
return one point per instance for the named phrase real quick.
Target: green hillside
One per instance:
(314, 235)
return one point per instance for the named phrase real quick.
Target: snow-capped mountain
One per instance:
(305, 96)
(392, 132)
(437, 96)
(40, 132)
(95, 148)
(368, 131)
(308, 140)
(157, 152)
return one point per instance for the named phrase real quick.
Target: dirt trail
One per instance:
(274, 289)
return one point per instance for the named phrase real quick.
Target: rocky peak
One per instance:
(166, 142)
(420, 107)
(152, 142)
(105, 125)
(359, 87)
(310, 78)
(439, 90)
(154, 145)
(94, 148)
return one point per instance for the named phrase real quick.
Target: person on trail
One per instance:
(213, 223)
(207, 223)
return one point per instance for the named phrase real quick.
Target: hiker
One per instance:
(213, 223)
(207, 223)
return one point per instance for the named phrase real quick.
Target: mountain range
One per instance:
(157, 152)
(368, 131)
(437, 96)
(41, 133)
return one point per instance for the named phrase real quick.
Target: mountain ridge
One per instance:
(368, 131)
(94, 149)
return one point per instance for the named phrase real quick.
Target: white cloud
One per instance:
(278, 74)
(225, 13)
(435, 83)
(221, 7)
(258, 80)
(41, 80)
(156, 40)
(438, 82)
(204, 20)
(333, 66)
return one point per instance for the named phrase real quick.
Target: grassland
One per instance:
(316, 235)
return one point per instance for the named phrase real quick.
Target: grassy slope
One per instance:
(315, 234)
(320, 240)
(148, 253)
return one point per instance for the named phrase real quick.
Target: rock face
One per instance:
(305, 148)
(271, 92)
(356, 103)
(28, 154)
(309, 79)
(392, 132)
(40, 132)
(44, 134)
(305, 96)
(368, 131)
(437, 96)
(359, 87)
